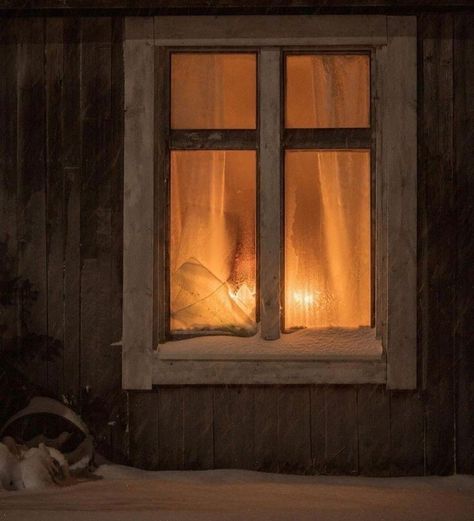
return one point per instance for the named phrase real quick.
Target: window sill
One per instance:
(204, 361)
(307, 344)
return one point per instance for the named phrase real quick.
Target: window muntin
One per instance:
(212, 242)
(213, 90)
(327, 91)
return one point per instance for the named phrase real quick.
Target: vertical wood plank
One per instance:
(55, 199)
(270, 192)
(116, 223)
(71, 142)
(294, 429)
(234, 427)
(318, 428)
(143, 425)
(373, 417)
(8, 175)
(437, 228)
(170, 428)
(464, 197)
(116, 177)
(266, 428)
(97, 370)
(399, 127)
(137, 347)
(197, 428)
(407, 444)
(341, 430)
(32, 182)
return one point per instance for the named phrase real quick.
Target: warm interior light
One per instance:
(327, 238)
(327, 91)
(212, 243)
(213, 90)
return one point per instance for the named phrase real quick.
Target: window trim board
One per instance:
(395, 202)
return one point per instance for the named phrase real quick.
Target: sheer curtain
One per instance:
(213, 197)
(327, 239)
(213, 241)
(324, 91)
(327, 196)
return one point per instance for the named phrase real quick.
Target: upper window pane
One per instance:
(213, 90)
(327, 91)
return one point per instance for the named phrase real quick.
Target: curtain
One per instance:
(327, 239)
(213, 267)
(324, 91)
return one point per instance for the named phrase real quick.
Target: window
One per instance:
(269, 197)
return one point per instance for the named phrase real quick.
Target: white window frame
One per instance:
(393, 44)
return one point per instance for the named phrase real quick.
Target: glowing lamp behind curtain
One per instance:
(327, 195)
(327, 238)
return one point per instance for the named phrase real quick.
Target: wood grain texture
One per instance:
(294, 430)
(373, 419)
(198, 436)
(407, 435)
(8, 174)
(234, 413)
(327, 138)
(204, 372)
(213, 139)
(162, 191)
(231, 6)
(464, 197)
(266, 428)
(318, 428)
(270, 193)
(341, 430)
(138, 208)
(399, 130)
(31, 111)
(170, 428)
(97, 371)
(270, 30)
(54, 60)
(71, 160)
(437, 224)
(143, 423)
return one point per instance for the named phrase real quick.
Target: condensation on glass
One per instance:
(327, 91)
(327, 238)
(212, 242)
(213, 90)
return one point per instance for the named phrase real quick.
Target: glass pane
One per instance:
(327, 91)
(327, 238)
(213, 90)
(213, 266)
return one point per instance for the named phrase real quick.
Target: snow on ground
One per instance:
(131, 494)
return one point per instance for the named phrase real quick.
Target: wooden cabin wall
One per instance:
(61, 182)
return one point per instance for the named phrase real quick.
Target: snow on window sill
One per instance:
(338, 344)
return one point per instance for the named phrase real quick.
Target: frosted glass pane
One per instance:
(327, 238)
(210, 90)
(327, 91)
(212, 243)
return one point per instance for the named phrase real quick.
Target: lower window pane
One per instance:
(212, 242)
(327, 238)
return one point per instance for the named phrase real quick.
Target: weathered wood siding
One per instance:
(61, 186)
